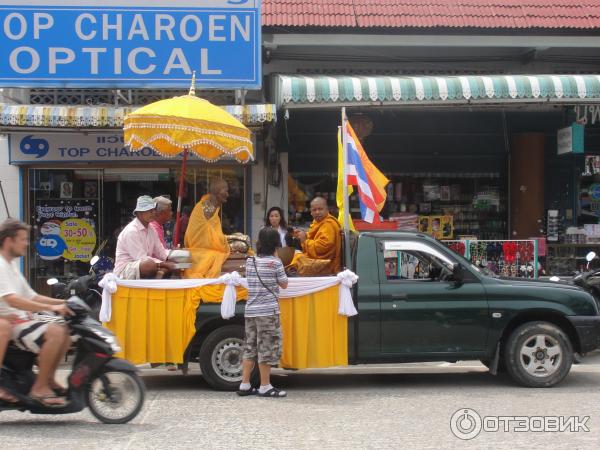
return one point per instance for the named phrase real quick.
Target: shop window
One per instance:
(77, 213)
(66, 223)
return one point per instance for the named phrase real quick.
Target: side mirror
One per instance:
(590, 256)
(94, 260)
(458, 274)
(51, 281)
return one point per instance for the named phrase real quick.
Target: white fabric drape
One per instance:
(297, 287)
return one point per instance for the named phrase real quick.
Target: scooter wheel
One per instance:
(116, 397)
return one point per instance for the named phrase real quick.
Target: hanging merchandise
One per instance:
(503, 258)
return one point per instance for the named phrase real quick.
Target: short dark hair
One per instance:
(268, 241)
(282, 222)
(10, 227)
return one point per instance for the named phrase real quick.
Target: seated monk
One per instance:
(323, 239)
(204, 236)
(140, 254)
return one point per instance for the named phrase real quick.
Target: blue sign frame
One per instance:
(117, 44)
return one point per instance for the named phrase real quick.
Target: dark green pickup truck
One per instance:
(419, 301)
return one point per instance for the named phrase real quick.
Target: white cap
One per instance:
(144, 203)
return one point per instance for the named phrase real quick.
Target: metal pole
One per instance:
(4, 200)
(180, 200)
(346, 201)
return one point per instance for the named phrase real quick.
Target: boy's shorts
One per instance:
(263, 339)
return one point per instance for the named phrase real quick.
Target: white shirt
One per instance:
(138, 242)
(12, 281)
(282, 233)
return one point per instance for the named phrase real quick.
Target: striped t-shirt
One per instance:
(262, 302)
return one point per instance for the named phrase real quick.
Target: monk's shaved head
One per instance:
(219, 190)
(318, 208)
(216, 184)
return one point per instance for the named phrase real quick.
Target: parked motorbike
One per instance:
(109, 386)
(590, 279)
(85, 287)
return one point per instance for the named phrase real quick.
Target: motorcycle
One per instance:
(589, 280)
(110, 387)
(85, 287)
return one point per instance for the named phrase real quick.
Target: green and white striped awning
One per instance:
(302, 91)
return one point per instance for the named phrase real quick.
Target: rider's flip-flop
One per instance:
(7, 398)
(42, 400)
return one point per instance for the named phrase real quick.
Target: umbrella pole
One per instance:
(179, 200)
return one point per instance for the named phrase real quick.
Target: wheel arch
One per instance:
(204, 329)
(541, 316)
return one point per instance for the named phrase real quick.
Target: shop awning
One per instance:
(304, 91)
(108, 116)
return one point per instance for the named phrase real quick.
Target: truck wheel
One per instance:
(221, 358)
(538, 354)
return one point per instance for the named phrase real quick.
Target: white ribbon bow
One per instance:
(109, 286)
(346, 304)
(231, 281)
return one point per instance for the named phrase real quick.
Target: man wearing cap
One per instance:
(140, 254)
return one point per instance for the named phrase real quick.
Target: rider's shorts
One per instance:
(28, 335)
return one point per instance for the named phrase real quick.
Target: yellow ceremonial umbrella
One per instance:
(188, 123)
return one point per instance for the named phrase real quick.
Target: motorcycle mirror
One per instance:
(94, 260)
(51, 281)
(555, 278)
(590, 256)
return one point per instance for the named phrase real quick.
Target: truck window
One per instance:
(408, 260)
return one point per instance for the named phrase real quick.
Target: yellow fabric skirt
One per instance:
(156, 325)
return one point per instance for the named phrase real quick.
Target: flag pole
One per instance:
(346, 200)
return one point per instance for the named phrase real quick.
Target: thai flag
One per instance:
(366, 177)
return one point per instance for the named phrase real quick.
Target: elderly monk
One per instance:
(140, 253)
(204, 236)
(323, 239)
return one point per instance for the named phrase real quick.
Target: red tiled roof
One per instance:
(432, 13)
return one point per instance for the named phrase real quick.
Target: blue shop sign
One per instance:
(50, 148)
(112, 44)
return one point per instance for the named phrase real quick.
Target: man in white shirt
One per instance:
(140, 254)
(17, 301)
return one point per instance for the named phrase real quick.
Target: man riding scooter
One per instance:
(50, 341)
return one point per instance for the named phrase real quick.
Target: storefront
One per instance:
(81, 184)
(473, 158)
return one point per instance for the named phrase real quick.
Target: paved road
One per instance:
(395, 406)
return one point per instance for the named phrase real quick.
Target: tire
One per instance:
(221, 358)
(538, 354)
(110, 409)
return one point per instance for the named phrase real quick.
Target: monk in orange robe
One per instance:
(323, 239)
(204, 236)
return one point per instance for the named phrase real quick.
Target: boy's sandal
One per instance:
(273, 393)
(246, 392)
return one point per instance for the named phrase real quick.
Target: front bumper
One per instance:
(588, 331)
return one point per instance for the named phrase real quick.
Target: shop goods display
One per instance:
(518, 258)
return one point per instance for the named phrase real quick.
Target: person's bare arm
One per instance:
(16, 301)
(48, 300)
(283, 284)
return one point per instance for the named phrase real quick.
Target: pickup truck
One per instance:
(434, 306)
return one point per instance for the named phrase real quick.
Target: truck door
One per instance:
(423, 311)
